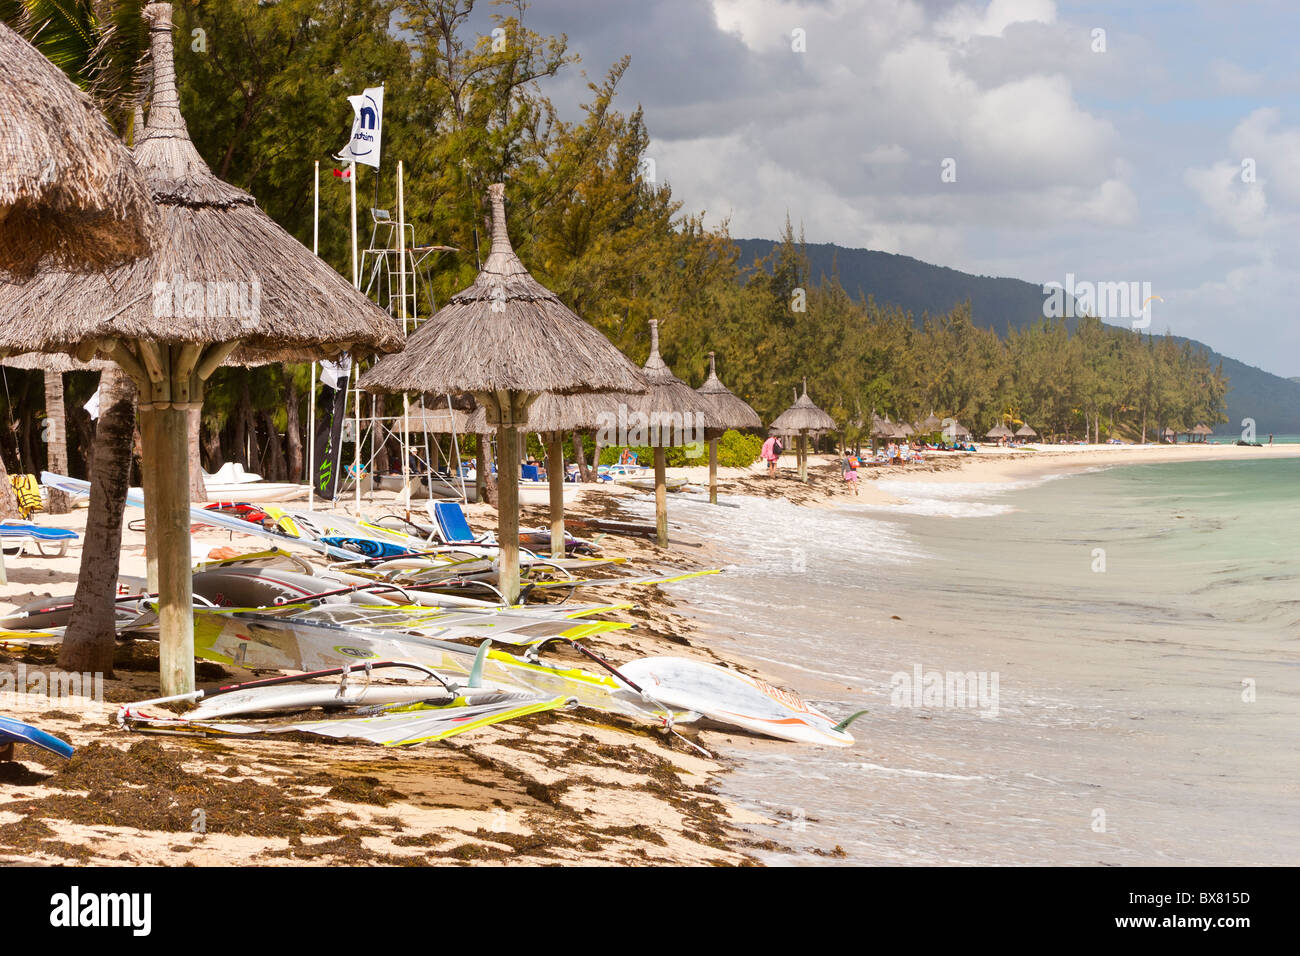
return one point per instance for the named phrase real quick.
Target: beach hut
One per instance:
(221, 280)
(998, 432)
(1201, 432)
(69, 194)
(802, 418)
(731, 412)
(505, 340)
(1024, 431)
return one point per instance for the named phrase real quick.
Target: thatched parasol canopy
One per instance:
(884, 428)
(730, 410)
(802, 416)
(439, 421)
(1024, 431)
(961, 431)
(1202, 430)
(57, 362)
(998, 431)
(506, 339)
(932, 423)
(506, 332)
(69, 194)
(221, 277)
(221, 269)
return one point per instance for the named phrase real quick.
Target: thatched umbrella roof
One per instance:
(932, 423)
(999, 431)
(802, 416)
(905, 430)
(69, 193)
(730, 410)
(884, 428)
(961, 431)
(53, 362)
(438, 421)
(506, 332)
(241, 277)
(1024, 431)
(667, 398)
(1202, 430)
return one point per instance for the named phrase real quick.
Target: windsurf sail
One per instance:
(398, 725)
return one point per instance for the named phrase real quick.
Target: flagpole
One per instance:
(356, 398)
(401, 295)
(311, 395)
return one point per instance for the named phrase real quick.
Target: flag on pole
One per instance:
(331, 372)
(367, 128)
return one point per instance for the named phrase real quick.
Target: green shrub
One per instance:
(735, 450)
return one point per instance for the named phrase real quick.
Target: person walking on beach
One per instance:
(851, 470)
(771, 451)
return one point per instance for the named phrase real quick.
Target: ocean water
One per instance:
(1136, 629)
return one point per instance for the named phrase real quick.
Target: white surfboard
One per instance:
(730, 697)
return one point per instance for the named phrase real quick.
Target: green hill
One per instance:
(998, 303)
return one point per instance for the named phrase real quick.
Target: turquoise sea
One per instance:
(1140, 626)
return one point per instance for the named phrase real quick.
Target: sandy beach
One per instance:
(560, 787)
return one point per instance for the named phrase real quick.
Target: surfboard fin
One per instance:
(843, 725)
(476, 672)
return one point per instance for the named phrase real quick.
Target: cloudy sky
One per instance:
(1155, 142)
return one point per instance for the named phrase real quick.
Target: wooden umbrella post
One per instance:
(661, 497)
(713, 471)
(508, 511)
(149, 441)
(555, 476)
(803, 456)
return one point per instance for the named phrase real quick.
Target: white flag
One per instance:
(331, 372)
(367, 128)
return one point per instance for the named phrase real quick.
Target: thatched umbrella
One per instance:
(802, 418)
(932, 423)
(998, 431)
(505, 339)
(672, 414)
(222, 278)
(69, 194)
(731, 412)
(1024, 431)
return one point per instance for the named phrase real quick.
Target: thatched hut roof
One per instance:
(1024, 431)
(932, 423)
(999, 431)
(1202, 430)
(960, 430)
(506, 332)
(802, 416)
(69, 194)
(730, 410)
(242, 278)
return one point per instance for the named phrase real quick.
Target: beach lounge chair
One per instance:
(452, 526)
(16, 537)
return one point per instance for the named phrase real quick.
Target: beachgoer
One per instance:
(851, 470)
(769, 454)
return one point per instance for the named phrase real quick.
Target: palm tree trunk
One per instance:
(56, 437)
(91, 638)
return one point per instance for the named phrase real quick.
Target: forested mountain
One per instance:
(999, 303)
